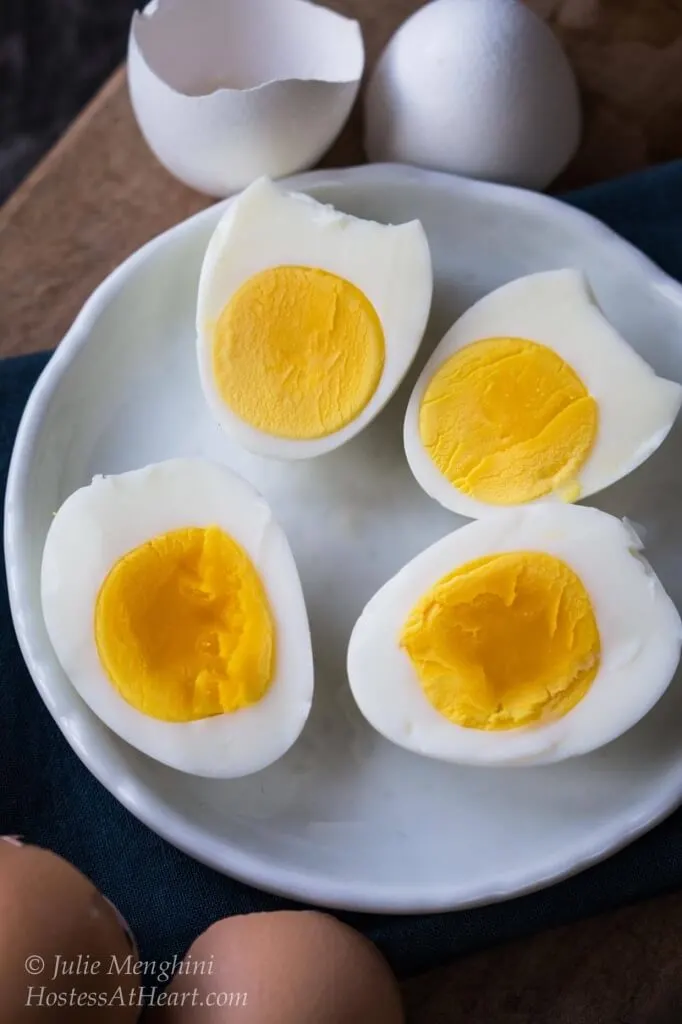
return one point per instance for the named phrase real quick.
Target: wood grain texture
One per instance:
(100, 194)
(627, 55)
(622, 968)
(97, 197)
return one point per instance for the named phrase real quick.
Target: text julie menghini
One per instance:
(119, 966)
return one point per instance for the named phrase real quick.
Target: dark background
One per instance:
(54, 54)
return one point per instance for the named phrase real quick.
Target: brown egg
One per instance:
(292, 967)
(63, 950)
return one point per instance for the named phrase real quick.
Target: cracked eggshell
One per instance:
(480, 88)
(226, 91)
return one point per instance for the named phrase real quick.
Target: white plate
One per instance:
(345, 819)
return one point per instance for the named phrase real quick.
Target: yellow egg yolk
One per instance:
(507, 420)
(298, 352)
(183, 627)
(504, 641)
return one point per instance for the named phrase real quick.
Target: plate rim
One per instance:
(140, 799)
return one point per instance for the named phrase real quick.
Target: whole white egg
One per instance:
(174, 606)
(533, 396)
(480, 88)
(308, 319)
(527, 638)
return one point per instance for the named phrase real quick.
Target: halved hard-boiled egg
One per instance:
(527, 637)
(174, 606)
(307, 320)
(532, 395)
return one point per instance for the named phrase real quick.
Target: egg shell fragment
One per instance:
(100, 523)
(225, 91)
(639, 626)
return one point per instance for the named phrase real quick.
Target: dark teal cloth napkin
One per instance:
(48, 796)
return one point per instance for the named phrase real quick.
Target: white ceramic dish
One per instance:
(345, 819)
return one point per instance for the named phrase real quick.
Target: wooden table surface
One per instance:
(100, 194)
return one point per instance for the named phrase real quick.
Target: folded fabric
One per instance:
(50, 798)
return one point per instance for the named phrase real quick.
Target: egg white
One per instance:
(639, 626)
(265, 227)
(100, 523)
(556, 308)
